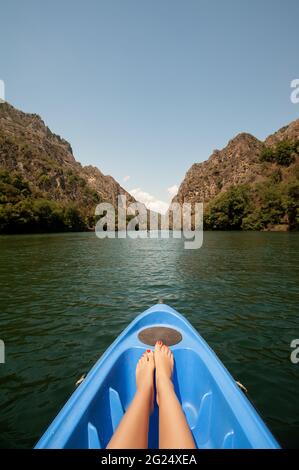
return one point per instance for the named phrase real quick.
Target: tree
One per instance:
(284, 153)
(227, 211)
(73, 219)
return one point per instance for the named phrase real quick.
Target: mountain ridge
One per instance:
(245, 162)
(249, 184)
(42, 186)
(38, 141)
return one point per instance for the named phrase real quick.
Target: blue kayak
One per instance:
(218, 412)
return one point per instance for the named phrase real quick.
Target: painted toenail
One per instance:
(148, 350)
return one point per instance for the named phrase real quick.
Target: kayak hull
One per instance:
(217, 411)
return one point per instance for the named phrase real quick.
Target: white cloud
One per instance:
(149, 200)
(173, 190)
(126, 178)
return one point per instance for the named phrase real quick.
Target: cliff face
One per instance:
(290, 132)
(250, 185)
(238, 163)
(46, 161)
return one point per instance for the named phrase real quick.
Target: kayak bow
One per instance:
(218, 412)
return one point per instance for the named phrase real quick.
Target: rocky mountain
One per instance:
(237, 163)
(254, 167)
(46, 160)
(290, 132)
(249, 185)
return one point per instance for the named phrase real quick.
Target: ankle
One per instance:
(145, 389)
(163, 384)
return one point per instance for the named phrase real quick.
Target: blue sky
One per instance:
(145, 88)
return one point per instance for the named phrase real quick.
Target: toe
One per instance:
(150, 356)
(143, 359)
(147, 354)
(158, 345)
(138, 364)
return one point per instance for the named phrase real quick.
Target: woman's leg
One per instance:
(132, 431)
(174, 432)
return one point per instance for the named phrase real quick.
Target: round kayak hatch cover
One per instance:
(168, 336)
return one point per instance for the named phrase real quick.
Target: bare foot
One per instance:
(164, 366)
(145, 375)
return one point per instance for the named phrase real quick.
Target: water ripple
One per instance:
(64, 299)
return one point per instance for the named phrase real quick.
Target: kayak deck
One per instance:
(218, 413)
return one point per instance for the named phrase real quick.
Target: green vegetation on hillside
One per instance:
(227, 211)
(243, 207)
(261, 205)
(255, 207)
(22, 210)
(41, 201)
(284, 153)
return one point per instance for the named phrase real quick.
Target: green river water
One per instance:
(65, 297)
